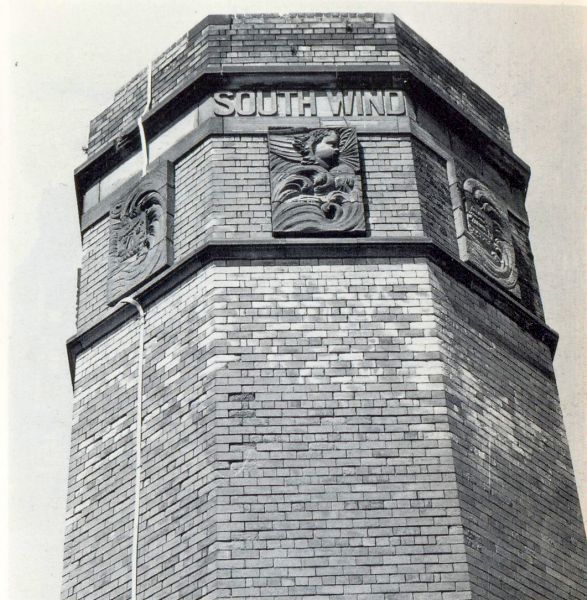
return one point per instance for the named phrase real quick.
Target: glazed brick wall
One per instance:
(337, 479)
(129, 102)
(357, 429)
(306, 39)
(295, 437)
(329, 39)
(435, 211)
(526, 269)
(176, 519)
(435, 200)
(516, 488)
(101, 470)
(179, 522)
(389, 184)
(93, 273)
(194, 198)
(444, 77)
(223, 190)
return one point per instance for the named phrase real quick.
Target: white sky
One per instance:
(63, 61)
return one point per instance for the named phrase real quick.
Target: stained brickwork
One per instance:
(337, 480)
(93, 273)
(435, 199)
(101, 470)
(129, 102)
(223, 191)
(390, 187)
(297, 437)
(513, 467)
(530, 294)
(439, 73)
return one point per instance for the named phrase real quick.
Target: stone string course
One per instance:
(222, 191)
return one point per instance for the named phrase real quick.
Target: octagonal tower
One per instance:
(311, 357)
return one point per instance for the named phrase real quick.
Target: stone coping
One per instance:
(317, 249)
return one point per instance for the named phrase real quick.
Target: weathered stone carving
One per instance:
(315, 181)
(484, 234)
(140, 244)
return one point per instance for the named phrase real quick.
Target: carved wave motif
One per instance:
(311, 215)
(315, 181)
(137, 241)
(500, 263)
(489, 231)
(135, 269)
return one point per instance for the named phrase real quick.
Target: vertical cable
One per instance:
(144, 145)
(139, 433)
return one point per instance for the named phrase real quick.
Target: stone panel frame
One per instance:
(315, 181)
(141, 224)
(484, 232)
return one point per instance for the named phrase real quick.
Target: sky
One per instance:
(62, 61)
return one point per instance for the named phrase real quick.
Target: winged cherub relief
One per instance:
(315, 181)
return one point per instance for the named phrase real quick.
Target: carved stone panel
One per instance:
(140, 232)
(485, 235)
(315, 181)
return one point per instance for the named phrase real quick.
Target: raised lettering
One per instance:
(272, 110)
(287, 96)
(349, 103)
(309, 102)
(224, 104)
(394, 103)
(335, 100)
(241, 99)
(373, 100)
(358, 103)
(301, 103)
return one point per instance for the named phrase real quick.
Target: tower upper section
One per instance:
(228, 133)
(329, 43)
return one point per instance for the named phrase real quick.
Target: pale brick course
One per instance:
(296, 437)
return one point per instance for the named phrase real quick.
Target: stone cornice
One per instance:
(209, 79)
(327, 248)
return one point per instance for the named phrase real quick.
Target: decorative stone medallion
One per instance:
(315, 181)
(140, 232)
(484, 234)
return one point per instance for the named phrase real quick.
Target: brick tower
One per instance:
(311, 358)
